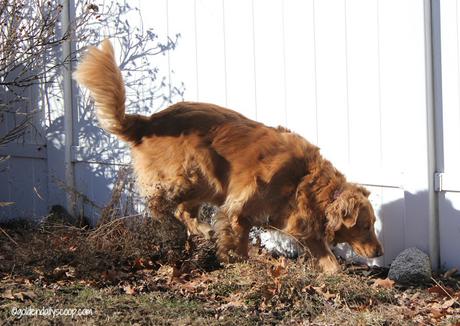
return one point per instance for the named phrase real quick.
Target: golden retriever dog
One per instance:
(192, 153)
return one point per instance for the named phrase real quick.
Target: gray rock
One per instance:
(411, 266)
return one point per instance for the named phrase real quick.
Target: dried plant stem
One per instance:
(445, 291)
(8, 236)
(110, 210)
(109, 226)
(297, 240)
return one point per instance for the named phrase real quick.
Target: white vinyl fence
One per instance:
(375, 83)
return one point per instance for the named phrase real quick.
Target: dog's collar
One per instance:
(336, 194)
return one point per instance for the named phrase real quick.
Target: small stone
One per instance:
(411, 266)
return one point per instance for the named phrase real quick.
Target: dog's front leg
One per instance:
(323, 255)
(225, 237)
(232, 235)
(241, 227)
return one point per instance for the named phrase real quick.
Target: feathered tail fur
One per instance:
(99, 72)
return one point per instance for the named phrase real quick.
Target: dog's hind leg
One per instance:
(187, 213)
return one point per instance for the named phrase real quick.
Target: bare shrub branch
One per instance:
(30, 38)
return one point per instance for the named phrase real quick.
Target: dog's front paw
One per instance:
(328, 265)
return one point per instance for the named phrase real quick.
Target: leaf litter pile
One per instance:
(139, 270)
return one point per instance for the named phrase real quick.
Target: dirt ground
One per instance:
(139, 271)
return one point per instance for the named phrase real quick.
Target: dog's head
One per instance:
(350, 219)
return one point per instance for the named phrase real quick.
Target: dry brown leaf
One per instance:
(8, 294)
(283, 261)
(448, 303)
(361, 307)
(28, 294)
(318, 289)
(408, 312)
(129, 289)
(384, 283)
(19, 296)
(436, 305)
(25, 295)
(327, 295)
(338, 299)
(71, 272)
(440, 290)
(189, 287)
(277, 271)
(139, 263)
(436, 313)
(321, 290)
(234, 301)
(38, 271)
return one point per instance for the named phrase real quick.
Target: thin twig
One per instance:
(290, 235)
(445, 291)
(109, 224)
(8, 236)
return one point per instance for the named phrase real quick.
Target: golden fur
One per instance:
(192, 153)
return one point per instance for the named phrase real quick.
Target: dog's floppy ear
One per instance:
(343, 210)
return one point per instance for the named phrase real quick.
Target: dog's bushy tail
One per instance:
(99, 72)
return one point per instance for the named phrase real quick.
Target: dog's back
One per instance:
(206, 153)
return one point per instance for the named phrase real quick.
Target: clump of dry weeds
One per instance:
(56, 249)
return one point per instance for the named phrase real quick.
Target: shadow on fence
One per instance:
(98, 155)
